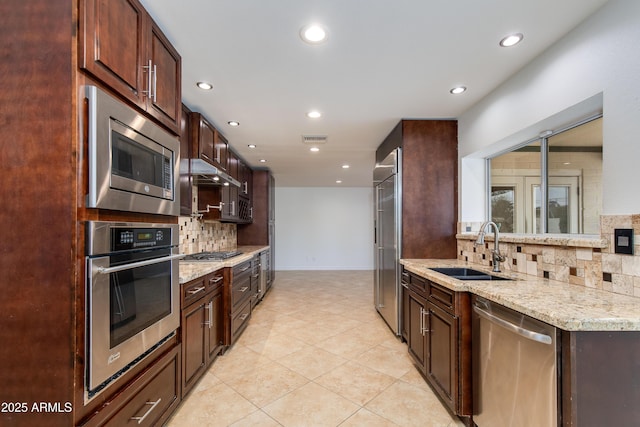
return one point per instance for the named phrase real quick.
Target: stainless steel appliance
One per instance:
(515, 363)
(387, 180)
(133, 163)
(262, 279)
(133, 296)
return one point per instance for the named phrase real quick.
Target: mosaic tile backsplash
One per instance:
(197, 235)
(593, 267)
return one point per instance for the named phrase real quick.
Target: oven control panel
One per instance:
(135, 238)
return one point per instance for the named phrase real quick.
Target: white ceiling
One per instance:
(383, 61)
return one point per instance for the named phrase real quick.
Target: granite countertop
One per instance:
(190, 270)
(566, 306)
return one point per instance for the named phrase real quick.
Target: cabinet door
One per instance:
(194, 356)
(113, 37)
(416, 330)
(165, 102)
(220, 151)
(204, 136)
(442, 345)
(215, 327)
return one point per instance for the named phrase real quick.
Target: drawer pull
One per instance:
(153, 406)
(196, 290)
(215, 280)
(255, 276)
(245, 269)
(243, 290)
(244, 317)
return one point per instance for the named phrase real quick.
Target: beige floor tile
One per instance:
(257, 419)
(409, 406)
(277, 346)
(395, 363)
(355, 382)
(218, 406)
(268, 382)
(348, 344)
(237, 361)
(312, 362)
(367, 418)
(311, 405)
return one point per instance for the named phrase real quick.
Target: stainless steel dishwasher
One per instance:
(515, 368)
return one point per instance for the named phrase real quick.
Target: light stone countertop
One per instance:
(566, 306)
(573, 240)
(190, 270)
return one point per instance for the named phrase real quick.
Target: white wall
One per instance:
(324, 228)
(596, 66)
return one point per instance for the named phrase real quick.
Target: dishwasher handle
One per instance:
(526, 333)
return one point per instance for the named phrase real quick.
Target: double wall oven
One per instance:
(132, 298)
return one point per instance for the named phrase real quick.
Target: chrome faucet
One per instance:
(495, 252)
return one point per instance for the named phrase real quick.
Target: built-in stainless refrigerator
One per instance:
(387, 181)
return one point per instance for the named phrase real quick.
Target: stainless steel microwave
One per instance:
(133, 163)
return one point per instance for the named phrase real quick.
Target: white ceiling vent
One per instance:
(314, 139)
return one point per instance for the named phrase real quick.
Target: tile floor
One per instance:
(315, 353)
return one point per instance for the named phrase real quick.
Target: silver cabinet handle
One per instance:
(109, 270)
(243, 317)
(196, 290)
(233, 209)
(209, 308)
(243, 290)
(245, 269)
(155, 82)
(149, 69)
(216, 279)
(526, 333)
(153, 406)
(423, 325)
(245, 189)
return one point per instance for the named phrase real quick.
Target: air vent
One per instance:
(314, 139)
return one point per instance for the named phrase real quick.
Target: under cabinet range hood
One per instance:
(205, 173)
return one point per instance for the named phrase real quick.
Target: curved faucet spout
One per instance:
(497, 257)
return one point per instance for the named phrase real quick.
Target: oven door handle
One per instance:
(526, 333)
(109, 270)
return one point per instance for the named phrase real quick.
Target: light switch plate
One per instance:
(623, 241)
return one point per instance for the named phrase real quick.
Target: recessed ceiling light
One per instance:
(204, 85)
(263, 160)
(458, 90)
(345, 166)
(313, 34)
(233, 123)
(314, 114)
(314, 149)
(338, 182)
(511, 40)
(251, 145)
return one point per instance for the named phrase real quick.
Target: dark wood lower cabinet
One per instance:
(202, 326)
(439, 339)
(149, 400)
(442, 364)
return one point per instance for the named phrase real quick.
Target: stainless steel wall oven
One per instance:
(132, 297)
(133, 163)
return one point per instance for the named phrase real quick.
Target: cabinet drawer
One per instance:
(240, 291)
(157, 394)
(240, 320)
(215, 280)
(418, 284)
(192, 291)
(442, 297)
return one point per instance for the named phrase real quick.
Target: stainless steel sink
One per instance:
(463, 273)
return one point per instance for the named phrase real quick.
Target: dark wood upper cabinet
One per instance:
(208, 143)
(122, 46)
(429, 185)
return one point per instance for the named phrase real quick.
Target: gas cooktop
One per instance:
(211, 256)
